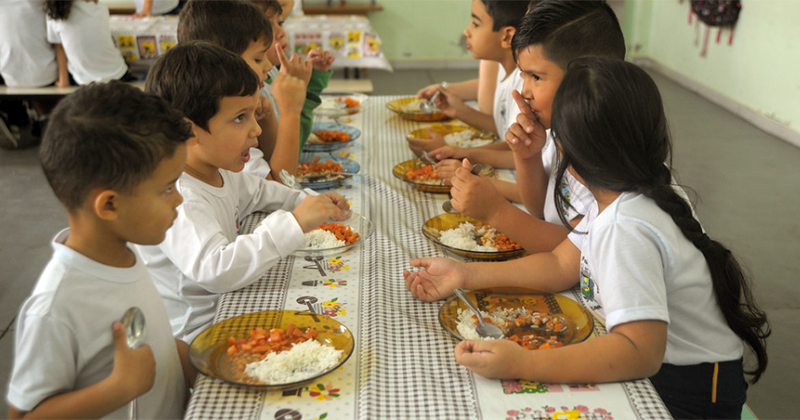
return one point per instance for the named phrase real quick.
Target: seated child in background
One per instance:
(553, 33)
(203, 255)
(318, 64)
(480, 90)
(240, 27)
(112, 156)
(84, 47)
(676, 303)
(148, 8)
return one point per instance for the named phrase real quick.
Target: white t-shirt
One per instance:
(505, 108)
(637, 265)
(87, 42)
(159, 6)
(203, 255)
(26, 58)
(579, 197)
(64, 341)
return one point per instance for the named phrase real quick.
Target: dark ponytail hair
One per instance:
(58, 9)
(608, 120)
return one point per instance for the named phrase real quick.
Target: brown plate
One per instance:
(580, 325)
(447, 221)
(401, 169)
(208, 351)
(444, 129)
(397, 106)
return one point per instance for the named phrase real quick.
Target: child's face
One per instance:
(256, 57)
(278, 36)
(540, 80)
(147, 212)
(287, 6)
(482, 41)
(232, 131)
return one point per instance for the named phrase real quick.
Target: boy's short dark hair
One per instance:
(109, 135)
(269, 5)
(231, 24)
(195, 76)
(568, 29)
(505, 12)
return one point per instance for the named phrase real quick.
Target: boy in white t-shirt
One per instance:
(112, 156)
(203, 256)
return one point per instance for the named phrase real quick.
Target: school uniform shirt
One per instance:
(26, 58)
(64, 341)
(505, 109)
(203, 255)
(579, 197)
(636, 265)
(87, 42)
(160, 7)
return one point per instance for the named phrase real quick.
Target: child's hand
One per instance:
(296, 66)
(135, 370)
(474, 195)
(314, 211)
(340, 202)
(264, 108)
(527, 136)
(447, 170)
(447, 152)
(428, 91)
(437, 280)
(321, 60)
(492, 359)
(418, 145)
(449, 103)
(289, 93)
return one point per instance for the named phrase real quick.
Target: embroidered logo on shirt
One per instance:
(565, 191)
(589, 290)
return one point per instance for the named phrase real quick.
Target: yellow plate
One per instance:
(444, 129)
(580, 325)
(397, 104)
(208, 351)
(401, 169)
(447, 221)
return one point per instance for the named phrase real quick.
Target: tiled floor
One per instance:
(747, 179)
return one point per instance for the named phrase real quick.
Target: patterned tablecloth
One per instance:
(403, 365)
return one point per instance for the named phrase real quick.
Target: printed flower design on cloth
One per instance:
(332, 308)
(334, 283)
(337, 264)
(525, 387)
(321, 416)
(323, 392)
(579, 412)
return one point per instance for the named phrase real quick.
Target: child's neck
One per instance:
(508, 63)
(203, 172)
(604, 197)
(95, 241)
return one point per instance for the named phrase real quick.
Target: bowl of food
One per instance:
(467, 237)
(272, 350)
(531, 318)
(423, 176)
(327, 137)
(324, 170)
(456, 135)
(408, 108)
(340, 104)
(337, 237)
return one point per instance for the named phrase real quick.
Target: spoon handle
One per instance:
(133, 410)
(463, 296)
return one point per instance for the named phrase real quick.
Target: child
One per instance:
(480, 90)
(148, 8)
(112, 156)
(203, 255)
(84, 47)
(675, 302)
(242, 28)
(549, 36)
(26, 58)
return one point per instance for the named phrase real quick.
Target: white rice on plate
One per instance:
(305, 360)
(465, 236)
(412, 106)
(322, 239)
(467, 138)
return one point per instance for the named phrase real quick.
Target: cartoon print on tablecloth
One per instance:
(329, 283)
(288, 414)
(337, 264)
(124, 41)
(578, 412)
(333, 308)
(522, 386)
(147, 46)
(323, 392)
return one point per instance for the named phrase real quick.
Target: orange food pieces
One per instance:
(350, 102)
(423, 174)
(501, 241)
(263, 342)
(332, 136)
(342, 232)
(535, 342)
(317, 168)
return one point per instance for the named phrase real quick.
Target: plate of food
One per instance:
(408, 108)
(326, 137)
(470, 238)
(272, 349)
(340, 104)
(324, 170)
(456, 135)
(423, 176)
(531, 318)
(336, 237)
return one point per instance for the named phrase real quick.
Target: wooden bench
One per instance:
(44, 93)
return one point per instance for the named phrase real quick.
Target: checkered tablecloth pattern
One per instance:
(403, 365)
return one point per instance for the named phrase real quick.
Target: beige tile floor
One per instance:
(748, 182)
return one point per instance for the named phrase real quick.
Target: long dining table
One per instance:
(402, 366)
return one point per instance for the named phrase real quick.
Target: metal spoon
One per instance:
(429, 106)
(135, 333)
(447, 206)
(426, 156)
(483, 329)
(289, 180)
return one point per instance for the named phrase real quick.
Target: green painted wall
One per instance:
(760, 71)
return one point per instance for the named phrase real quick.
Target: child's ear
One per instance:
(192, 141)
(508, 35)
(105, 205)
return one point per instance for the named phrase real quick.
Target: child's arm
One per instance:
(269, 127)
(487, 76)
(63, 71)
(289, 92)
(466, 90)
(133, 375)
(189, 372)
(147, 9)
(502, 159)
(452, 106)
(526, 138)
(321, 62)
